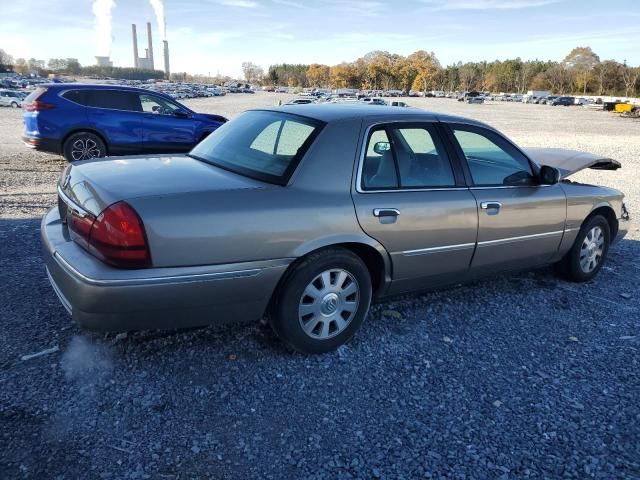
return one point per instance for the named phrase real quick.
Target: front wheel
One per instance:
(83, 146)
(14, 104)
(322, 301)
(589, 251)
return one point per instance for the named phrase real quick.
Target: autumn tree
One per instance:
(252, 73)
(582, 60)
(426, 67)
(318, 75)
(630, 76)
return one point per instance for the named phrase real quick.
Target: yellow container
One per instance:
(623, 107)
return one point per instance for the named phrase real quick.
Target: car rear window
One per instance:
(260, 144)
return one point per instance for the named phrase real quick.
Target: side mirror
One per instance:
(381, 147)
(181, 114)
(548, 175)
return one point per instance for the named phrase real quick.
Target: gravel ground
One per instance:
(520, 376)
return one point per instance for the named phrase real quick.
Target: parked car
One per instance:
(10, 98)
(301, 101)
(564, 101)
(306, 213)
(82, 121)
(478, 99)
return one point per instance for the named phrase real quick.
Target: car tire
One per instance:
(589, 251)
(83, 146)
(14, 105)
(322, 301)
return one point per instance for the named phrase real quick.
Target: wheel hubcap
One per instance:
(591, 250)
(328, 304)
(84, 149)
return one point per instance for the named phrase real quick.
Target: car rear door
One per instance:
(167, 127)
(117, 115)
(410, 196)
(520, 222)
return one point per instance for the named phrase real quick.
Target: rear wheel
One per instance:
(83, 146)
(14, 104)
(322, 301)
(589, 251)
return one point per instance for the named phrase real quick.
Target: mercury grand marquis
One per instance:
(306, 214)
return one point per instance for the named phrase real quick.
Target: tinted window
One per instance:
(415, 153)
(154, 104)
(260, 144)
(76, 96)
(114, 99)
(491, 159)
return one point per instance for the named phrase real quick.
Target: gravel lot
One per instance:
(521, 376)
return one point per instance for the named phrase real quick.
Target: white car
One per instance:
(9, 98)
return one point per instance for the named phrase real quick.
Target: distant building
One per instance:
(104, 62)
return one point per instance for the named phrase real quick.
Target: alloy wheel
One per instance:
(328, 304)
(591, 249)
(84, 149)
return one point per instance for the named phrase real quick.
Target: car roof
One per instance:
(333, 112)
(93, 86)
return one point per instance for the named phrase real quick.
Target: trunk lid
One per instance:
(96, 184)
(569, 162)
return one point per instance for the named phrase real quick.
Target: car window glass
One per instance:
(114, 99)
(260, 144)
(76, 96)
(153, 104)
(379, 170)
(422, 159)
(493, 161)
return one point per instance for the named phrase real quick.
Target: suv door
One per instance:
(410, 196)
(521, 222)
(117, 115)
(164, 130)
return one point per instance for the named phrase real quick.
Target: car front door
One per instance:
(410, 196)
(116, 115)
(167, 127)
(520, 222)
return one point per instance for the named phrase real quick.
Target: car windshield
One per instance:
(260, 144)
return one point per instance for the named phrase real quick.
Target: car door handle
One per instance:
(386, 212)
(490, 205)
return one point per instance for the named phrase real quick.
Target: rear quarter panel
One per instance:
(57, 122)
(215, 227)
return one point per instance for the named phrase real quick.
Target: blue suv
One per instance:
(87, 121)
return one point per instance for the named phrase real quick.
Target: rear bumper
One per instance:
(102, 298)
(42, 144)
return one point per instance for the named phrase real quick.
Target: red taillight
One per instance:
(37, 106)
(117, 237)
(80, 227)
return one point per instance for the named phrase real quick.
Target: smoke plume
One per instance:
(158, 8)
(102, 11)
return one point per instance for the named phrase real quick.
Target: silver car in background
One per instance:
(306, 213)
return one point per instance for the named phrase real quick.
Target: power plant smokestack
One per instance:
(150, 54)
(135, 45)
(166, 58)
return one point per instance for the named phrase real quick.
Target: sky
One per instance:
(216, 36)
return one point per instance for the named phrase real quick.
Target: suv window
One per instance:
(407, 156)
(260, 144)
(154, 104)
(114, 99)
(492, 160)
(76, 96)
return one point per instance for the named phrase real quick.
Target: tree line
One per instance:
(71, 66)
(581, 71)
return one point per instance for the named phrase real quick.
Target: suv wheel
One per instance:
(83, 146)
(14, 104)
(589, 251)
(322, 301)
